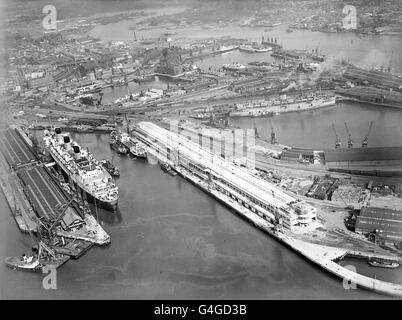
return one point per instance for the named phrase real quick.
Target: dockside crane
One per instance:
(273, 134)
(47, 224)
(350, 140)
(337, 139)
(365, 139)
(256, 131)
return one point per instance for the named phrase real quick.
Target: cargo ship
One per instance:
(224, 49)
(82, 169)
(233, 67)
(272, 107)
(254, 48)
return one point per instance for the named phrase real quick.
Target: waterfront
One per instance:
(110, 94)
(170, 239)
(165, 248)
(312, 129)
(364, 51)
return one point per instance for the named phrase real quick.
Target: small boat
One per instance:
(165, 167)
(111, 168)
(383, 263)
(138, 151)
(30, 263)
(172, 172)
(118, 147)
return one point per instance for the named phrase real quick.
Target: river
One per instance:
(365, 51)
(170, 241)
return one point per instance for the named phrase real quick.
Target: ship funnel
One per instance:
(59, 137)
(77, 152)
(67, 143)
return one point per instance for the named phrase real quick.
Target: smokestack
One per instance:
(77, 152)
(59, 137)
(67, 143)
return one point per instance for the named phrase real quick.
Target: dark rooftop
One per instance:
(387, 221)
(364, 154)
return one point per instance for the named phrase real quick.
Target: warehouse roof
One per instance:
(387, 221)
(296, 152)
(363, 154)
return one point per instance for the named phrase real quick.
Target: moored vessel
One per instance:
(254, 48)
(82, 169)
(383, 263)
(233, 67)
(132, 145)
(111, 168)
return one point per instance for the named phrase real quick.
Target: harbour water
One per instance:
(310, 129)
(313, 129)
(365, 51)
(170, 240)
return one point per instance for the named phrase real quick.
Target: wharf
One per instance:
(323, 256)
(33, 195)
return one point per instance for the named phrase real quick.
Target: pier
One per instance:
(35, 196)
(257, 201)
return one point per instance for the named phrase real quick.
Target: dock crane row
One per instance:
(350, 140)
(337, 139)
(365, 139)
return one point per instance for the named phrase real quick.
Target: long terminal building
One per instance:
(256, 194)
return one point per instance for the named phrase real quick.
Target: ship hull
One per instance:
(289, 107)
(109, 205)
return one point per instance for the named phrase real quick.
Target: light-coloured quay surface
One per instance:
(163, 144)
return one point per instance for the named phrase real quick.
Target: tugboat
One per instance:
(383, 263)
(110, 167)
(165, 167)
(117, 146)
(138, 150)
(172, 172)
(42, 255)
(30, 263)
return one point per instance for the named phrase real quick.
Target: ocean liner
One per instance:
(82, 168)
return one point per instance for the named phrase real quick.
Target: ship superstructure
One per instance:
(135, 147)
(82, 169)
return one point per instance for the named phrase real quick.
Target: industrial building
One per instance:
(380, 161)
(301, 154)
(259, 196)
(384, 223)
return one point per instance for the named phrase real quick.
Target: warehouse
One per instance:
(385, 223)
(381, 161)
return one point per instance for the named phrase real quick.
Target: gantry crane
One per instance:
(47, 224)
(350, 140)
(337, 139)
(256, 131)
(365, 139)
(273, 135)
